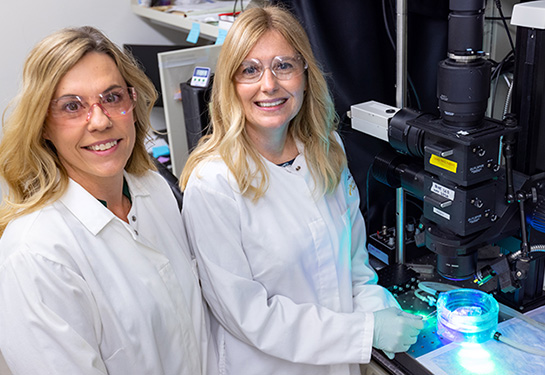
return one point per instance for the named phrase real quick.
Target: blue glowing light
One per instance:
(467, 315)
(475, 359)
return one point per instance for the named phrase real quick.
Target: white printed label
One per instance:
(441, 213)
(442, 191)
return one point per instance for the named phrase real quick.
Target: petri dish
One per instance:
(467, 315)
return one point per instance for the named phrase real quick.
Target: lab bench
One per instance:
(434, 354)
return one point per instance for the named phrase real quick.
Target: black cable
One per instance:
(386, 212)
(504, 65)
(386, 24)
(497, 72)
(503, 19)
(496, 18)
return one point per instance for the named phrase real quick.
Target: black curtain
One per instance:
(352, 40)
(349, 40)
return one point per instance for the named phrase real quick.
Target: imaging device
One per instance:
(195, 99)
(481, 181)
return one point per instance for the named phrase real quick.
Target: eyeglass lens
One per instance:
(114, 103)
(283, 68)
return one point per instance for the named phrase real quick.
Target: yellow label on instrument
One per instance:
(443, 163)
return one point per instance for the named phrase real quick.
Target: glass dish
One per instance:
(467, 315)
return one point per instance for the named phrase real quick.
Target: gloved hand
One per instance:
(395, 330)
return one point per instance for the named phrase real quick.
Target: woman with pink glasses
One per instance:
(95, 272)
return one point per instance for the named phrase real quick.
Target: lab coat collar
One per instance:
(300, 146)
(88, 210)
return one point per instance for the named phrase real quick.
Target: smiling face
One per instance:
(270, 104)
(94, 150)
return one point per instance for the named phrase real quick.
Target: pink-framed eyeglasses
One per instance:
(114, 103)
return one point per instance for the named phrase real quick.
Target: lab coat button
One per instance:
(133, 218)
(298, 167)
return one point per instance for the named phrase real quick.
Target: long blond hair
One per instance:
(314, 125)
(29, 165)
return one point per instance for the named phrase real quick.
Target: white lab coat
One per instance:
(287, 278)
(82, 292)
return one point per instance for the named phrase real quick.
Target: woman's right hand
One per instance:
(395, 330)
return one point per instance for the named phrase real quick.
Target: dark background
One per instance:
(352, 40)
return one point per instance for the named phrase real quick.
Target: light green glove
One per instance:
(395, 330)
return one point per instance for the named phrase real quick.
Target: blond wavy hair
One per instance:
(314, 125)
(29, 164)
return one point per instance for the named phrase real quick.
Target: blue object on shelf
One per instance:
(160, 151)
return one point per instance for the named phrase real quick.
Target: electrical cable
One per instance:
(386, 211)
(386, 24)
(430, 300)
(509, 96)
(418, 105)
(498, 5)
(494, 90)
(496, 18)
(507, 59)
(235, 7)
(496, 74)
(434, 288)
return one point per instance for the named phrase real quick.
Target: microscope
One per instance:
(480, 181)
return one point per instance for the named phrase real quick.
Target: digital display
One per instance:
(201, 76)
(199, 72)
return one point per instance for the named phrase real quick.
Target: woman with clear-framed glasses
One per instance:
(272, 214)
(95, 272)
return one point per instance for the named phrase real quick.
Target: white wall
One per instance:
(24, 23)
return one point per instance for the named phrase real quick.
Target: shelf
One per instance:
(174, 20)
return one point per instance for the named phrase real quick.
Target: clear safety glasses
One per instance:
(283, 67)
(115, 103)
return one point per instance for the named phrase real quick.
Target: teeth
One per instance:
(103, 146)
(271, 104)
